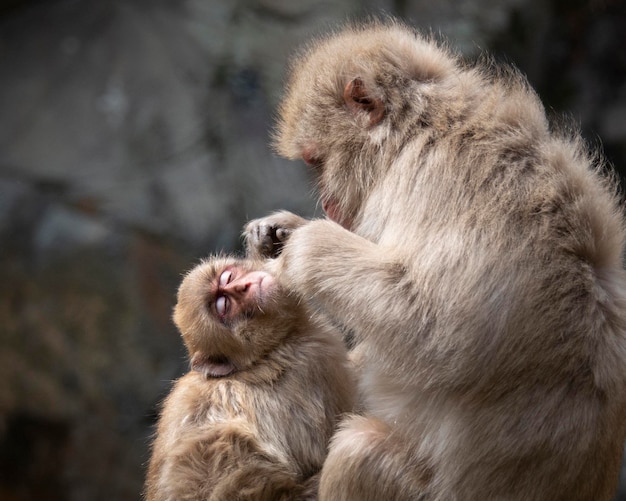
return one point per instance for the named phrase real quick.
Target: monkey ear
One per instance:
(358, 98)
(212, 366)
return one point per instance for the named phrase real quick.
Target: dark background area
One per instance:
(134, 139)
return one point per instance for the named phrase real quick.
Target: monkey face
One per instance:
(332, 138)
(238, 293)
(352, 103)
(230, 312)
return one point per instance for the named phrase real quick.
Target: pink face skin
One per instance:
(330, 206)
(334, 214)
(240, 292)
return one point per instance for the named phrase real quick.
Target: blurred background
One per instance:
(134, 139)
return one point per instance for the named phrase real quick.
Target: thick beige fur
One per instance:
(478, 262)
(262, 432)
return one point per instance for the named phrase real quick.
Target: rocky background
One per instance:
(134, 140)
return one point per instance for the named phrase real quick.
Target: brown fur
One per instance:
(479, 266)
(260, 432)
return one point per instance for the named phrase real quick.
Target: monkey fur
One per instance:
(253, 418)
(475, 251)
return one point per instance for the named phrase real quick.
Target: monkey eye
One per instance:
(225, 278)
(222, 302)
(221, 305)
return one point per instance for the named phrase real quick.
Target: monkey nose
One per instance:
(309, 155)
(238, 286)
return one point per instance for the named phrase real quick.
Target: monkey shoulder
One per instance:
(196, 401)
(318, 353)
(308, 371)
(314, 390)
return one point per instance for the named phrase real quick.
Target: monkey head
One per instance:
(352, 102)
(231, 312)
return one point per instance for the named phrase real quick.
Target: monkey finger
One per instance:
(282, 234)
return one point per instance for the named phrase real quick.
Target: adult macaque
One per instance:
(476, 253)
(252, 419)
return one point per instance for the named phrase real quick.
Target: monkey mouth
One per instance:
(331, 208)
(219, 366)
(212, 366)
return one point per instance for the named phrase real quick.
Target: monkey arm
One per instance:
(352, 279)
(369, 461)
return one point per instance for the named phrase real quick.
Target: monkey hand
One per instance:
(266, 236)
(323, 260)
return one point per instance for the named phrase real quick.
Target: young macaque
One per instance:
(268, 382)
(475, 252)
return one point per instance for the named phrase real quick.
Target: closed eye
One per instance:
(222, 304)
(225, 278)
